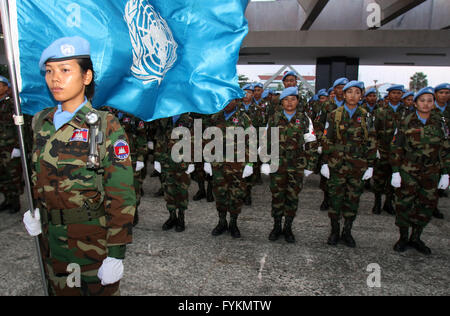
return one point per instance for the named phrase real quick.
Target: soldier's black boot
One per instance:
(442, 193)
(388, 207)
(333, 239)
(136, 218)
(201, 194)
(326, 202)
(377, 207)
(402, 243)
(171, 222)
(416, 243)
(277, 230)
(180, 227)
(346, 236)
(287, 230)
(248, 197)
(209, 192)
(437, 214)
(222, 226)
(234, 230)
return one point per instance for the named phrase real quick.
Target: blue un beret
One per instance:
(354, 83)
(322, 93)
(289, 73)
(265, 94)
(258, 85)
(330, 90)
(288, 92)
(427, 90)
(4, 80)
(443, 86)
(340, 82)
(369, 91)
(65, 48)
(396, 87)
(248, 87)
(407, 94)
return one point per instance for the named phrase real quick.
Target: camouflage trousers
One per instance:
(76, 244)
(10, 174)
(138, 182)
(417, 198)
(345, 191)
(199, 175)
(175, 183)
(229, 187)
(285, 185)
(382, 176)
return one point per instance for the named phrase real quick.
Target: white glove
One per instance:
(150, 145)
(111, 271)
(265, 169)
(139, 165)
(378, 154)
(33, 224)
(443, 184)
(308, 173)
(325, 171)
(396, 181)
(208, 168)
(15, 153)
(158, 166)
(319, 150)
(368, 174)
(190, 169)
(248, 171)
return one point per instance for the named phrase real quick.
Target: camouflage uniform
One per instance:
(386, 123)
(174, 179)
(228, 185)
(86, 214)
(10, 169)
(136, 131)
(349, 148)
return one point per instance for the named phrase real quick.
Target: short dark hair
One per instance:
(86, 64)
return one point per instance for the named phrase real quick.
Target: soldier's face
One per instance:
(258, 92)
(339, 91)
(395, 96)
(409, 101)
(425, 103)
(3, 89)
(352, 96)
(323, 99)
(248, 96)
(332, 95)
(290, 104)
(371, 98)
(442, 96)
(66, 81)
(290, 81)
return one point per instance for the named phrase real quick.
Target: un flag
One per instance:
(152, 59)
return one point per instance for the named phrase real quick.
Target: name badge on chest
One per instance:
(80, 135)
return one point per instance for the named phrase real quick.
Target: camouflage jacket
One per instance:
(8, 131)
(318, 112)
(165, 143)
(421, 148)
(365, 106)
(136, 130)
(445, 114)
(350, 142)
(240, 147)
(386, 123)
(294, 151)
(256, 113)
(61, 181)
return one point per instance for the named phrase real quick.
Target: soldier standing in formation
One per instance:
(10, 163)
(229, 177)
(420, 162)
(85, 199)
(349, 157)
(297, 159)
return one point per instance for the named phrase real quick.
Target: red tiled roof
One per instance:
(279, 78)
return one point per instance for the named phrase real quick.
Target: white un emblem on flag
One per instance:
(154, 48)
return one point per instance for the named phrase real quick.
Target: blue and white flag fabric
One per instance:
(152, 58)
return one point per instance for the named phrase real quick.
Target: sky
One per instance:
(384, 74)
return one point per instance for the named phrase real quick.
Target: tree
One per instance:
(243, 80)
(418, 81)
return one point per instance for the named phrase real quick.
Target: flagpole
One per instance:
(6, 24)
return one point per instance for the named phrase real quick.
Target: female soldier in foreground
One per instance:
(420, 162)
(86, 207)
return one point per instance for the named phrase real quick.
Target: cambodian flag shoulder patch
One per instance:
(121, 149)
(80, 135)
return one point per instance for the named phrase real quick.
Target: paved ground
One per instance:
(195, 263)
